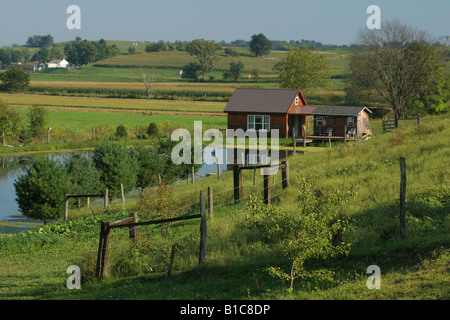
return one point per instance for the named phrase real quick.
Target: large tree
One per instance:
(260, 45)
(303, 69)
(205, 51)
(397, 64)
(14, 80)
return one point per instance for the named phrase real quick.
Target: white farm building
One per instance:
(58, 63)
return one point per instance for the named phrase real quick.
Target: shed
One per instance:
(287, 111)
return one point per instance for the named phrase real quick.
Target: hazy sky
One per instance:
(327, 21)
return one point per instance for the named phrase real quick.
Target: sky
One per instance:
(326, 21)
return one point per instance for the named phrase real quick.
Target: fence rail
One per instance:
(132, 223)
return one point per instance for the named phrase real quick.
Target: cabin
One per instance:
(286, 110)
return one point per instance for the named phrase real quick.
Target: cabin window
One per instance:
(320, 121)
(350, 121)
(296, 101)
(258, 123)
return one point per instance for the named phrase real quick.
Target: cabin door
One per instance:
(296, 126)
(339, 129)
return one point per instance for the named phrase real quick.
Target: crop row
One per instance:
(133, 93)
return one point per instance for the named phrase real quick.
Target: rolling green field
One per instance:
(165, 66)
(414, 268)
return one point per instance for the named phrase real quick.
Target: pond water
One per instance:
(11, 167)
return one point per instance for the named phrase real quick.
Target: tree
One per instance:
(313, 229)
(116, 167)
(234, 72)
(260, 45)
(37, 116)
(43, 55)
(397, 63)
(149, 165)
(205, 51)
(14, 80)
(10, 121)
(83, 175)
(40, 41)
(191, 71)
(41, 189)
(303, 69)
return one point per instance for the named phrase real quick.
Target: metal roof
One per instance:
(336, 110)
(279, 101)
(249, 100)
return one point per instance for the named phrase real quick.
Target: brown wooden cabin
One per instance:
(287, 111)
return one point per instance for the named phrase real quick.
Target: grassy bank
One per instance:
(237, 256)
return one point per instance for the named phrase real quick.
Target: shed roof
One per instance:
(330, 110)
(249, 100)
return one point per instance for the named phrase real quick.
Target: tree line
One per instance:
(41, 189)
(85, 52)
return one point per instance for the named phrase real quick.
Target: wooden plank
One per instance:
(147, 223)
(121, 222)
(85, 195)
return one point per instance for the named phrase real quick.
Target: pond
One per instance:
(11, 167)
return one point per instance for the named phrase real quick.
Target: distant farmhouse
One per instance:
(58, 64)
(287, 111)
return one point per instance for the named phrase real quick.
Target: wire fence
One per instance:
(191, 229)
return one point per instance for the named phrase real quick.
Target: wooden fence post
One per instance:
(266, 187)
(66, 208)
(237, 183)
(103, 250)
(133, 230)
(210, 203)
(285, 174)
(203, 229)
(122, 193)
(172, 257)
(418, 120)
(193, 175)
(304, 136)
(403, 197)
(106, 198)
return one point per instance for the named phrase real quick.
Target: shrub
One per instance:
(312, 230)
(153, 130)
(121, 131)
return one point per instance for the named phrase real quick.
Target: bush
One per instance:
(121, 131)
(312, 230)
(153, 130)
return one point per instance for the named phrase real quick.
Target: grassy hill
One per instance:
(238, 255)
